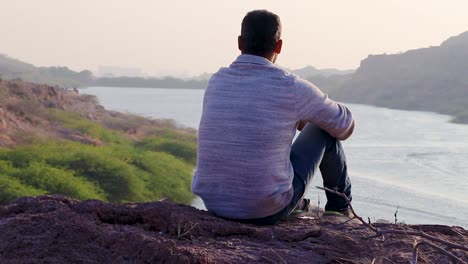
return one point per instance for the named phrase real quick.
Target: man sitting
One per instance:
(248, 169)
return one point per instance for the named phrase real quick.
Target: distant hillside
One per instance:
(310, 71)
(428, 79)
(15, 69)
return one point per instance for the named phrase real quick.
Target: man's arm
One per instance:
(315, 107)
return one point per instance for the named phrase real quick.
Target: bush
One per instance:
(185, 150)
(115, 173)
(20, 157)
(58, 181)
(168, 176)
(117, 178)
(12, 188)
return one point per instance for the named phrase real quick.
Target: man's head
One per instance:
(261, 34)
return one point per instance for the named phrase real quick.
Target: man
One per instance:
(247, 169)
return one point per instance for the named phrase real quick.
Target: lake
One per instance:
(416, 161)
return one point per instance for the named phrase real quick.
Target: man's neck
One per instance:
(270, 57)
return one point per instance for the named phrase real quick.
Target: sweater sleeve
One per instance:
(313, 106)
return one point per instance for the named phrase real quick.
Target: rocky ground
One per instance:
(56, 229)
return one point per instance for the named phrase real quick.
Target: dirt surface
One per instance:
(56, 229)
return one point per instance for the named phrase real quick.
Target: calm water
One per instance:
(415, 160)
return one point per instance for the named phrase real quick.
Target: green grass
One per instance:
(121, 171)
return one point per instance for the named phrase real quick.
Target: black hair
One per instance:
(261, 30)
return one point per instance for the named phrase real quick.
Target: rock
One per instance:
(382, 221)
(57, 229)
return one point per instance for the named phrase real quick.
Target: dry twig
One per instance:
(396, 214)
(382, 233)
(416, 245)
(184, 230)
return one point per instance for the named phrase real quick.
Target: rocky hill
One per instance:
(430, 79)
(55, 229)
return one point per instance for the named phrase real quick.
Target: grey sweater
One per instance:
(249, 119)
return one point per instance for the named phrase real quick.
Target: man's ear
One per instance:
(278, 47)
(240, 43)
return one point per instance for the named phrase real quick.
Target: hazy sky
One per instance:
(193, 37)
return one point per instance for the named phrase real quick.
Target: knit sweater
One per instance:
(249, 119)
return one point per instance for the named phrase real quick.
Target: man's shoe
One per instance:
(341, 213)
(332, 213)
(303, 207)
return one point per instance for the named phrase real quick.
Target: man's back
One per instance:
(247, 125)
(248, 122)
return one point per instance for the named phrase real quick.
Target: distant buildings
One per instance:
(114, 71)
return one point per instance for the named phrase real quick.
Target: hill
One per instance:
(15, 69)
(53, 140)
(428, 79)
(310, 71)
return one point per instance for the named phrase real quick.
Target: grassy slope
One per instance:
(66, 144)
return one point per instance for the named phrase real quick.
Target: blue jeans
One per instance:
(314, 148)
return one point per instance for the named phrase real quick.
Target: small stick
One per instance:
(318, 205)
(396, 213)
(182, 231)
(416, 244)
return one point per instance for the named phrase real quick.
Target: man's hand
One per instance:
(301, 124)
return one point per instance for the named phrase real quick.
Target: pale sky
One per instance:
(192, 37)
